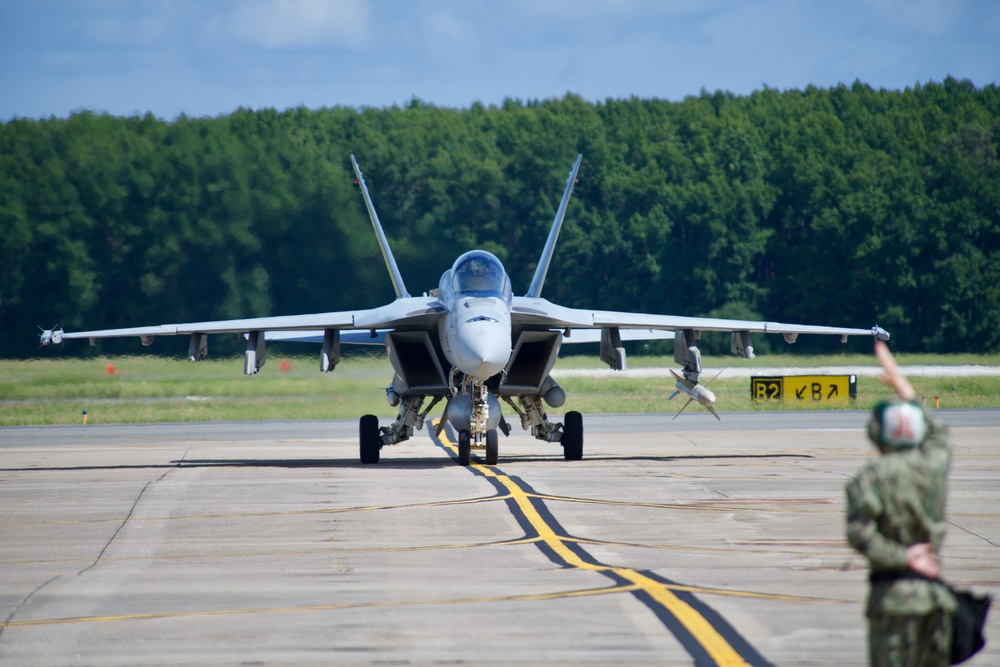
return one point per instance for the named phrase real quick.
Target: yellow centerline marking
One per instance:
(703, 631)
(713, 643)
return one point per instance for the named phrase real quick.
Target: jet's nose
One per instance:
(482, 347)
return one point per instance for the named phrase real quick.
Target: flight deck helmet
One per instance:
(897, 425)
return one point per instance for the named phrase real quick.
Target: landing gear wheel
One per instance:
(371, 443)
(464, 448)
(572, 438)
(492, 447)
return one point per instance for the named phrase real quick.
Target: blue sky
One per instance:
(209, 57)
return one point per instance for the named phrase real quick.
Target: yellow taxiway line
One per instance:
(714, 644)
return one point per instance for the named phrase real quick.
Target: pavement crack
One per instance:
(131, 511)
(20, 605)
(952, 523)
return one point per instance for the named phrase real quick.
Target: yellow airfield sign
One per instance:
(805, 388)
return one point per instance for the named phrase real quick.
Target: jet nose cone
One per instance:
(483, 349)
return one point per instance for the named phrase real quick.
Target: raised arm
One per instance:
(891, 375)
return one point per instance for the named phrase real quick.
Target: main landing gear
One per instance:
(481, 431)
(371, 441)
(572, 436)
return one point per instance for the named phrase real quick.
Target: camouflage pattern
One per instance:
(902, 641)
(895, 502)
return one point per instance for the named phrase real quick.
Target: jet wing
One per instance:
(537, 312)
(416, 312)
(594, 335)
(347, 336)
(364, 337)
(606, 319)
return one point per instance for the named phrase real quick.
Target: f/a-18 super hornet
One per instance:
(472, 344)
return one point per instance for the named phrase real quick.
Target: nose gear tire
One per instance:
(492, 447)
(464, 448)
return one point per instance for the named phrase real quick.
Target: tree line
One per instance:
(846, 206)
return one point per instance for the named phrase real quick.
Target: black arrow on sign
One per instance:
(834, 391)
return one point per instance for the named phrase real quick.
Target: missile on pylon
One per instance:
(695, 392)
(50, 337)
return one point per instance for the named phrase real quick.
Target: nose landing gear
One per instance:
(465, 447)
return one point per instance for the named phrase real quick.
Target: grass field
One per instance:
(150, 389)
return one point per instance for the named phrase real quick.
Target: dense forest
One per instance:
(847, 206)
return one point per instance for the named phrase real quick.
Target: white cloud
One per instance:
(303, 24)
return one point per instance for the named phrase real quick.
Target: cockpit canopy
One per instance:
(479, 273)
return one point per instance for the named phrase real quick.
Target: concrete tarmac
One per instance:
(672, 543)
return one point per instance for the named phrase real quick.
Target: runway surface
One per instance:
(673, 542)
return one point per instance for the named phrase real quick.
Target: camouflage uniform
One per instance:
(895, 502)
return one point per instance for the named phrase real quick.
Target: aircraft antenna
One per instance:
(390, 261)
(535, 289)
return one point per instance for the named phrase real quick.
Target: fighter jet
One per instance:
(472, 344)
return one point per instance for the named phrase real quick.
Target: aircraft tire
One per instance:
(370, 441)
(492, 447)
(572, 439)
(464, 448)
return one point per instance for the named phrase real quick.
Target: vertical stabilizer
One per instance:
(535, 290)
(390, 261)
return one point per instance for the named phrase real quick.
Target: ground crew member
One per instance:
(895, 517)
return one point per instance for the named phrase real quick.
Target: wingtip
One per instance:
(53, 336)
